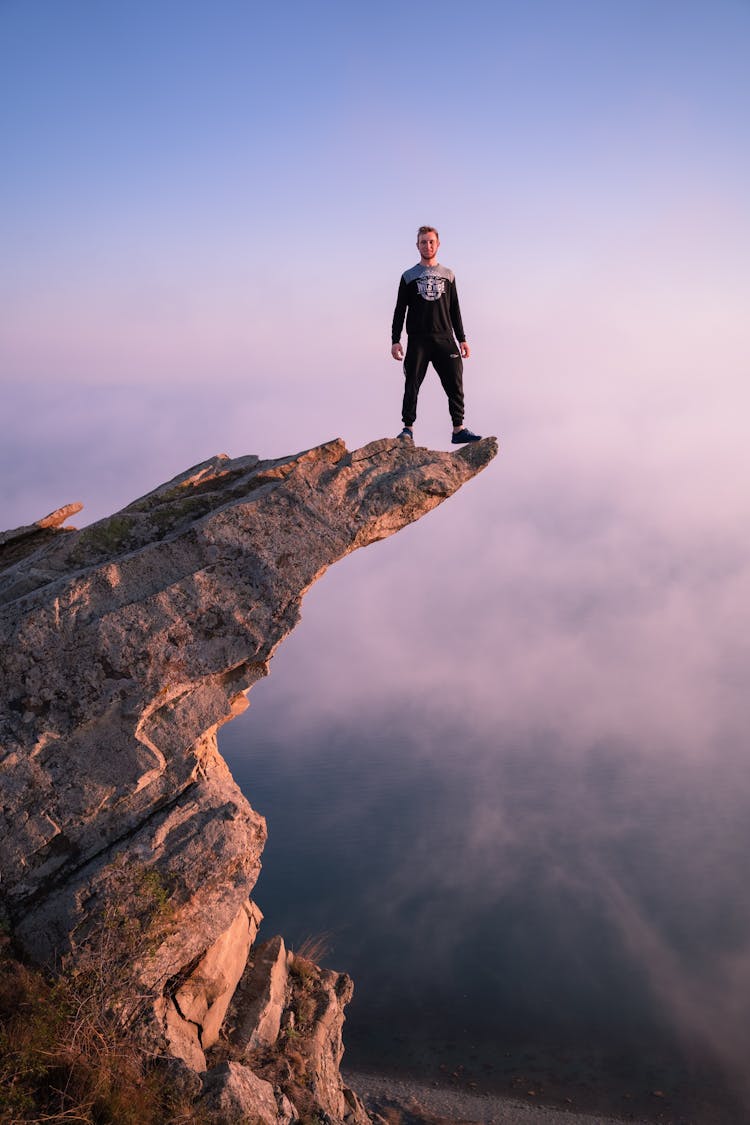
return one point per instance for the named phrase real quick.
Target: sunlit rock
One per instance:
(233, 1094)
(125, 646)
(261, 997)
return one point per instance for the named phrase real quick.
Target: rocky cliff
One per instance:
(125, 646)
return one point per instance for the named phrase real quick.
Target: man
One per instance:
(433, 325)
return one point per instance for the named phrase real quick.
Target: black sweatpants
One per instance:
(444, 355)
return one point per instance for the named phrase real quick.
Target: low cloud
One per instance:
(562, 646)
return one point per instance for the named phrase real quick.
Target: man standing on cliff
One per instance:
(433, 325)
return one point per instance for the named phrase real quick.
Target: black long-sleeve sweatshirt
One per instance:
(429, 294)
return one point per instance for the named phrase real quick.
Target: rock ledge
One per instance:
(125, 646)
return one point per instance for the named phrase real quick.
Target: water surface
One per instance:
(515, 917)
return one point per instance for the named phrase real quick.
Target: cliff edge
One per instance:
(125, 646)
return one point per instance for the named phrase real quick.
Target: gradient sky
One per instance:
(204, 212)
(205, 209)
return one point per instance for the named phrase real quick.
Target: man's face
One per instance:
(427, 244)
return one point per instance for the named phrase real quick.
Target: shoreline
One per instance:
(420, 1103)
(407, 1098)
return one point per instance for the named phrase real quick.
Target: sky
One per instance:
(205, 209)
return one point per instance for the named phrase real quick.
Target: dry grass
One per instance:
(65, 1058)
(65, 1052)
(315, 947)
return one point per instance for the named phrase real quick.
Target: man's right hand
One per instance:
(397, 352)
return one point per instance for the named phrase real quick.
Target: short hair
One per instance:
(426, 230)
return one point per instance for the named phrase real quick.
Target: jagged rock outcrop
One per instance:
(125, 646)
(301, 1047)
(261, 997)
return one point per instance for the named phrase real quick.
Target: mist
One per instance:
(515, 736)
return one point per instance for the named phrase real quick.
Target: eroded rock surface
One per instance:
(125, 646)
(262, 996)
(301, 1047)
(234, 1093)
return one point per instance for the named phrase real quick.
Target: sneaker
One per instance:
(407, 433)
(464, 435)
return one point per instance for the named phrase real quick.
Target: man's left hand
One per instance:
(465, 350)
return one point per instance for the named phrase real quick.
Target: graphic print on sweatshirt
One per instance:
(431, 280)
(430, 286)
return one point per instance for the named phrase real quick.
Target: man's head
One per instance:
(427, 244)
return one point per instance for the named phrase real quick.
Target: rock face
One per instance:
(125, 646)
